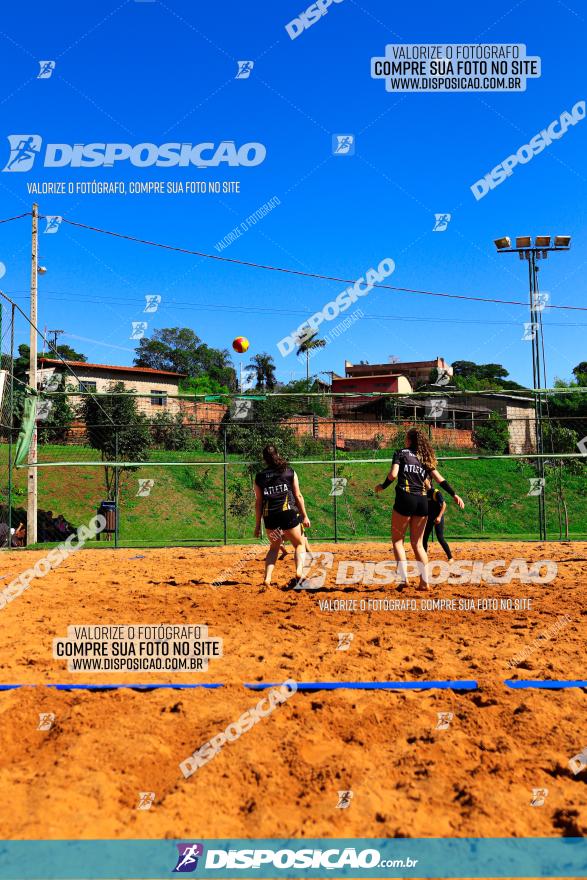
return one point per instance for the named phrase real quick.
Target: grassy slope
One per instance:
(186, 503)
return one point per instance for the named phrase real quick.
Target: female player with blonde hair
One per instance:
(411, 467)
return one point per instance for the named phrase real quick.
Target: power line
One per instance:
(314, 275)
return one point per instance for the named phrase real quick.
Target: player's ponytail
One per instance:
(420, 446)
(274, 459)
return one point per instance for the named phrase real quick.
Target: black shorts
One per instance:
(282, 519)
(410, 505)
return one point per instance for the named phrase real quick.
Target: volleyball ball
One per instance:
(240, 344)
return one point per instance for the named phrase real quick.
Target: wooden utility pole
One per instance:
(31, 531)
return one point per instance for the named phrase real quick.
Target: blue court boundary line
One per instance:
(547, 684)
(370, 685)
(464, 685)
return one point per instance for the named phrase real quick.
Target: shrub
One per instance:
(493, 434)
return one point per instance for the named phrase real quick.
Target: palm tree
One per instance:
(310, 343)
(262, 368)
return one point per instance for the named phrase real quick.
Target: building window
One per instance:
(158, 398)
(88, 387)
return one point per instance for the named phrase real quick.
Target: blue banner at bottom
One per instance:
(365, 857)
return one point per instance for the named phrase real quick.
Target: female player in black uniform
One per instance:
(280, 503)
(411, 467)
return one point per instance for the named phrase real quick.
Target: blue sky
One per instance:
(157, 72)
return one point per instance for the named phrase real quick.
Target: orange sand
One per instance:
(81, 779)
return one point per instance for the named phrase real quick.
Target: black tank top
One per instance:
(412, 473)
(277, 489)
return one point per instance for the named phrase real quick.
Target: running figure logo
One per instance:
(338, 486)
(46, 69)
(344, 641)
(187, 860)
(536, 486)
(23, 151)
(146, 799)
(145, 487)
(539, 795)
(138, 329)
(444, 720)
(441, 222)
(152, 302)
(343, 145)
(435, 409)
(46, 720)
(314, 578)
(344, 800)
(244, 69)
(578, 762)
(53, 224)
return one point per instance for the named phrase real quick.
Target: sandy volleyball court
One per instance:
(82, 777)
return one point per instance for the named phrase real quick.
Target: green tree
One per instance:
(310, 343)
(492, 435)
(262, 367)
(55, 427)
(67, 353)
(180, 350)
(580, 373)
(116, 428)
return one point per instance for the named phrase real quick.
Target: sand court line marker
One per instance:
(545, 684)
(373, 685)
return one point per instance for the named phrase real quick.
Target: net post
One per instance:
(116, 489)
(334, 498)
(11, 428)
(224, 487)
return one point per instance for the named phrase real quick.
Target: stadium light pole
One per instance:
(532, 252)
(31, 530)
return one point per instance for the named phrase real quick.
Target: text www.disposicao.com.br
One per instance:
(134, 664)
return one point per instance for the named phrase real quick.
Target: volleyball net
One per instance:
(185, 475)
